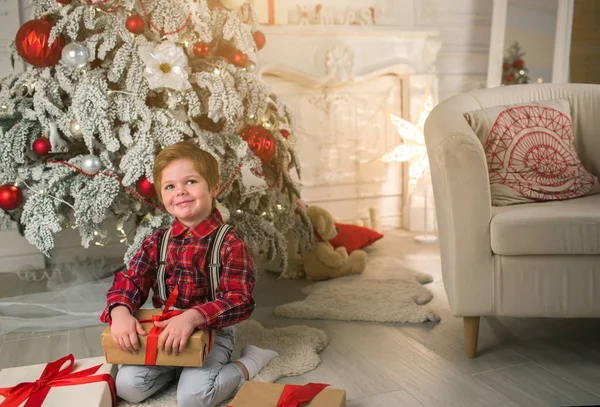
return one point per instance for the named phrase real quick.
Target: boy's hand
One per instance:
(125, 329)
(177, 331)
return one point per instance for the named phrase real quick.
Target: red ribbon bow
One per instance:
(152, 341)
(54, 375)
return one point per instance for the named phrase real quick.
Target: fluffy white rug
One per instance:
(298, 347)
(385, 292)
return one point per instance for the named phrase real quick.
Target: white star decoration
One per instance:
(413, 147)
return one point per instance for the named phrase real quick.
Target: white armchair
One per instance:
(526, 260)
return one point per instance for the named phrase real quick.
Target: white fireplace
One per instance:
(340, 82)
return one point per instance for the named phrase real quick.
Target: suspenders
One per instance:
(214, 264)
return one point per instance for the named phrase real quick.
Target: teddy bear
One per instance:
(321, 261)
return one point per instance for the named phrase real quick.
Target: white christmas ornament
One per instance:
(166, 66)
(74, 55)
(251, 66)
(75, 129)
(90, 164)
(231, 4)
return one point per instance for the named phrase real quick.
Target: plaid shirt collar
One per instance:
(202, 229)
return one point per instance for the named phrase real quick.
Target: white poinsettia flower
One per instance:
(166, 66)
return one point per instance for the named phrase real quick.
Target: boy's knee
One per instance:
(197, 396)
(131, 386)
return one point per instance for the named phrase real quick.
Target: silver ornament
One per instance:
(250, 66)
(74, 55)
(231, 4)
(90, 164)
(75, 129)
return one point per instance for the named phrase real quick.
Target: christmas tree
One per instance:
(107, 84)
(513, 68)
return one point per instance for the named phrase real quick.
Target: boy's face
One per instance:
(185, 193)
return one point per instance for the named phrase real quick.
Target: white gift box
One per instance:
(96, 394)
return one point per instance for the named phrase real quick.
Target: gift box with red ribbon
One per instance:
(195, 352)
(259, 394)
(63, 382)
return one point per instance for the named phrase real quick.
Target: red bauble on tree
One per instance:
(261, 142)
(145, 188)
(42, 146)
(238, 58)
(201, 49)
(519, 64)
(11, 197)
(32, 44)
(135, 24)
(64, 1)
(285, 133)
(259, 39)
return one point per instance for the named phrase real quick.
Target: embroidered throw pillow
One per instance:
(530, 153)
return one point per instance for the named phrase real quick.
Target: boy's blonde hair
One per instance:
(203, 162)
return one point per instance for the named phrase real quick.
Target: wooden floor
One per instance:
(522, 362)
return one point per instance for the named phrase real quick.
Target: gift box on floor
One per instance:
(61, 383)
(195, 352)
(259, 394)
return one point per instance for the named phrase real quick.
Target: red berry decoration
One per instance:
(42, 146)
(201, 49)
(259, 39)
(508, 78)
(505, 66)
(261, 142)
(11, 197)
(285, 133)
(519, 64)
(135, 24)
(238, 58)
(145, 188)
(32, 43)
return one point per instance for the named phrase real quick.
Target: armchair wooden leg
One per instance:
(471, 334)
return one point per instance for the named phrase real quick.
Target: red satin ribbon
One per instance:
(294, 395)
(54, 376)
(152, 341)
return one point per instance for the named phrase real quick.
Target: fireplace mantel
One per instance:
(340, 82)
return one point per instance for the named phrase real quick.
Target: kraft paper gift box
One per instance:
(94, 388)
(195, 352)
(259, 394)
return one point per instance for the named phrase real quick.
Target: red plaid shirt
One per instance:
(187, 266)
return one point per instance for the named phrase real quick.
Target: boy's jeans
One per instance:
(217, 380)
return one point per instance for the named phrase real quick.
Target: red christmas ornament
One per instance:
(505, 66)
(11, 197)
(32, 43)
(261, 142)
(64, 1)
(508, 78)
(145, 188)
(259, 39)
(285, 133)
(201, 49)
(42, 146)
(519, 64)
(135, 24)
(238, 58)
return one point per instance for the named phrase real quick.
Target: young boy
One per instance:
(187, 181)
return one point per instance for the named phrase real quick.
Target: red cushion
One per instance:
(354, 237)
